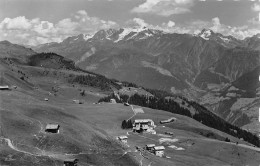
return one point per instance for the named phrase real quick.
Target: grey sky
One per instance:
(39, 21)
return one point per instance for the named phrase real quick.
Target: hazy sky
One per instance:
(40, 21)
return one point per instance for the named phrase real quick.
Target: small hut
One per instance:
(78, 101)
(150, 147)
(169, 133)
(70, 162)
(159, 150)
(52, 128)
(123, 138)
(5, 87)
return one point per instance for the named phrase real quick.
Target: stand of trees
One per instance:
(95, 81)
(227, 139)
(129, 84)
(127, 124)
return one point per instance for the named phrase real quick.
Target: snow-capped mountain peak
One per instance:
(123, 34)
(225, 39)
(205, 34)
(87, 36)
(131, 33)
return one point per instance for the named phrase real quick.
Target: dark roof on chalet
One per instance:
(71, 160)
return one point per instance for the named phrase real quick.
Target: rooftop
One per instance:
(4, 87)
(71, 160)
(52, 126)
(143, 120)
(159, 148)
(122, 137)
(150, 145)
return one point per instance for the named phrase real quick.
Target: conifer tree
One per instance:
(124, 124)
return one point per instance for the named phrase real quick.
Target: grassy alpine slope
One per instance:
(88, 131)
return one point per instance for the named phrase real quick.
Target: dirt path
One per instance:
(10, 144)
(133, 112)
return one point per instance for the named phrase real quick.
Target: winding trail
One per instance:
(10, 144)
(141, 161)
(44, 154)
(133, 112)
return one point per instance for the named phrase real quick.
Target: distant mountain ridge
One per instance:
(179, 59)
(10, 50)
(186, 64)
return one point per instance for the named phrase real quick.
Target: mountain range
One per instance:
(202, 67)
(146, 56)
(50, 88)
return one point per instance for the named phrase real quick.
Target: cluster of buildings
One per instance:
(152, 148)
(145, 125)
(157, 150)
(139, 126)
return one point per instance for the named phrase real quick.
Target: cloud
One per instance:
(216, 24)
(170, 24)
(164, 7)
(239, 32)
(17, 23)
(87, 23)
(140, 22)
(255, 20)
(137, 23)
(43, 28)
(195, 27)
(216, 21)
(36, 31)
(82, 12)
(256, 7)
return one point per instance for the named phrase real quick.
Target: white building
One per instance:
(159, 150)
(52, 128)
(143, 125)
(151, 131)
(5, 87)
